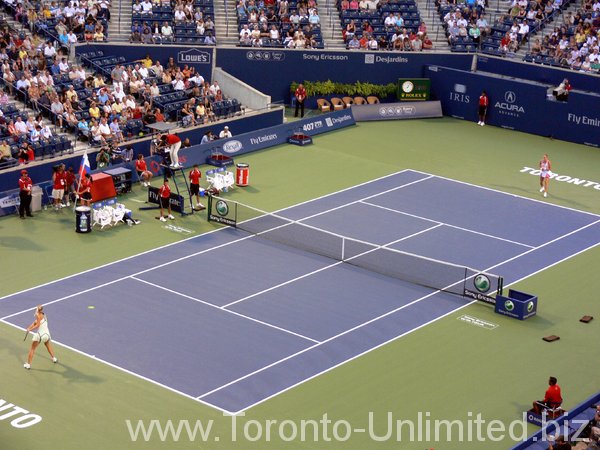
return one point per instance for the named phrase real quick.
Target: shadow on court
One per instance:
(70, 373)
(21, 243)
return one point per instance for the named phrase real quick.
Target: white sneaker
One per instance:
(541, 189)
(27, 366)
(171, 217)
(55, 360)
(162, 219)
(482, 123)
(479, 123)
(545, 194)
(200, 205)
(68, 203)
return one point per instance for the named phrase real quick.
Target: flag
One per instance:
(84, 167)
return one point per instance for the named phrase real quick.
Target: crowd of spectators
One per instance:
(68, 22)
(575, 44)
(284, 23)
(181, 21)
(383, 25)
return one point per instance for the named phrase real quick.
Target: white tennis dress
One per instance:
(43, 333)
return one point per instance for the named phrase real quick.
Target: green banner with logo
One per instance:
(222, 211)
(414, 89)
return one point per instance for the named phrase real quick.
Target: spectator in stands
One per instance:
(115, 130)
(354, 43)
(102, 158)
(83, 128)
(483, 25)
(26, 153)
(20, 127)
(417, 44)
(559, 444)
(225, 133)
(562, 91)
(475, 33)
(5, 153)
(187, 115)
(159, 116)
(208, 137)
(209, 39)
(552, 399)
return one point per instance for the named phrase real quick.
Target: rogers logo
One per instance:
(232, 146)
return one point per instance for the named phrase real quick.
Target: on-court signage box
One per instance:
(517, 305)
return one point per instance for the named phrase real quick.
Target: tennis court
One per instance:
(231, 319)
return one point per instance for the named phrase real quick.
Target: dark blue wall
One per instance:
(517, 104)
(43, 172)
(536, 72)
(201, 58)
(272, 71)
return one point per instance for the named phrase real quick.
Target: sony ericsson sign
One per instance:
(480, 289)
(194, 56)
(518, 305)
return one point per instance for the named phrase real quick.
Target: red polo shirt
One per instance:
(553, 396)
(195, 176)
(165, 191)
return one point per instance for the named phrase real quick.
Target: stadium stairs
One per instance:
(226, 27)
(120, 21)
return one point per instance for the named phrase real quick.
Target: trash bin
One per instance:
(242, 174)
(36, 198)
(83, 219)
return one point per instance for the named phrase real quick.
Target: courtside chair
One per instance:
(323, 105)
(360, 101)
(371, 100)
(348, 101)
(337, 103)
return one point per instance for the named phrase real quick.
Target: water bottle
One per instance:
(84, 222)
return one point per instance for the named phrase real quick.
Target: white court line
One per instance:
(384, 315)
(306, 202)
(448, 225)
(354, 202)
(321, 269)
(225, 310)
(191, 255)
(199, 236)
(506, 193)
(122, 369)
(402, 335)
(130, 276)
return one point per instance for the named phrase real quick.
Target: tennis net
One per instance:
(381, 259)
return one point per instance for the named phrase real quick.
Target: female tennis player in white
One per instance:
(42, 335)
(546, 171)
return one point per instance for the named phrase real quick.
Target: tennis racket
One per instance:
(26, 334)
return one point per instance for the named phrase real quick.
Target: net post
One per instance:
(500, 290)
(464, 282)
(209, 205)
(235, 214)
(343, 249)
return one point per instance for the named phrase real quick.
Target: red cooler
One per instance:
(242, 174)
